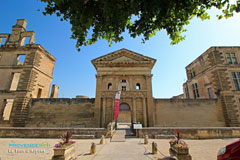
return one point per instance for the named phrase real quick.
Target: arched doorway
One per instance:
(124, 119)
(124, 113)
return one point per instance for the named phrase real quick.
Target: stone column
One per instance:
(103, 112)
(144, 112)
(134, 113)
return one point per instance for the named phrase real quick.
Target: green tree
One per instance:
(92, 20)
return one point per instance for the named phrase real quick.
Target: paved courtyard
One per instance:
(132, 148)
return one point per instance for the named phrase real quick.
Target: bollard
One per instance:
(93, 148)
(154, 148)
(146, 139)
(102, 141)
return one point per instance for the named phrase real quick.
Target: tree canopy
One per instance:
(92, 20)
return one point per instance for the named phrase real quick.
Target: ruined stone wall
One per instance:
(61, 112)
(43, 82)
(188, 113)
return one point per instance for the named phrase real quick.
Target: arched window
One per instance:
(124, 107)
(138, 87)
(109, 86)
(124, 81)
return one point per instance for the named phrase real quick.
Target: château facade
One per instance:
(216, 74)
(26, 73)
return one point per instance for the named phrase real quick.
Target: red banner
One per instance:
(116, 105)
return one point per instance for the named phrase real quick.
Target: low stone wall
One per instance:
(18, 132)
(191, 133)
(188, 113)
(61, 113)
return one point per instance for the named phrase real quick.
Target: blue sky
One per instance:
(74, 73)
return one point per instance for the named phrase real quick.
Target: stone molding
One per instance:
(135, 94)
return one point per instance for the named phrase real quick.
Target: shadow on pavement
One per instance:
(167, 158)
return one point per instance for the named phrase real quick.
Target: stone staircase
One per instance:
(229, 111)
(20, 111)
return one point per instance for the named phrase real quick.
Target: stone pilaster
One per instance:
(144, 113)
(97, 111)
(103, 112)
(150, 111)
(134, 113)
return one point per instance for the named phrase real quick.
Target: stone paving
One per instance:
(132, 148)
(119, 136)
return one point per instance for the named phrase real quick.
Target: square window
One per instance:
(231, 58)
(236, 80)
(21, 59)
(124, 88)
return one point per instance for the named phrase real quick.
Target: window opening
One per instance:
(124, 88)
(7, 109)
(236, 80)
(39, 93)
(21, 59)
(2, 41)
(109, 86)
(138, 87)
(192, 73)
(15, 81)
(195, 90)
(27, 40)
(124, 81)
(231, 58)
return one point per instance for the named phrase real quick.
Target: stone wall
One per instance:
(7, 132)
(61, 112)
(188, 113)
(191, 132)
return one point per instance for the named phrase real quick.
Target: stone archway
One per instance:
(124, 113)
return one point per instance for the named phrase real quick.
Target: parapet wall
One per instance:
(188, 113)
(61, 112)
(25, 132)
(191, 132)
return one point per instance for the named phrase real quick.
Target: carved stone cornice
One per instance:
(98, 76)
(148, 76)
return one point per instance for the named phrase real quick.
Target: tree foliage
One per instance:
(92, 20)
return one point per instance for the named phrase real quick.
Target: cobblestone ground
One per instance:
(131, 149)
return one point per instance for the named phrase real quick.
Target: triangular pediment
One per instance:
(123, 55)
(123, 59)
